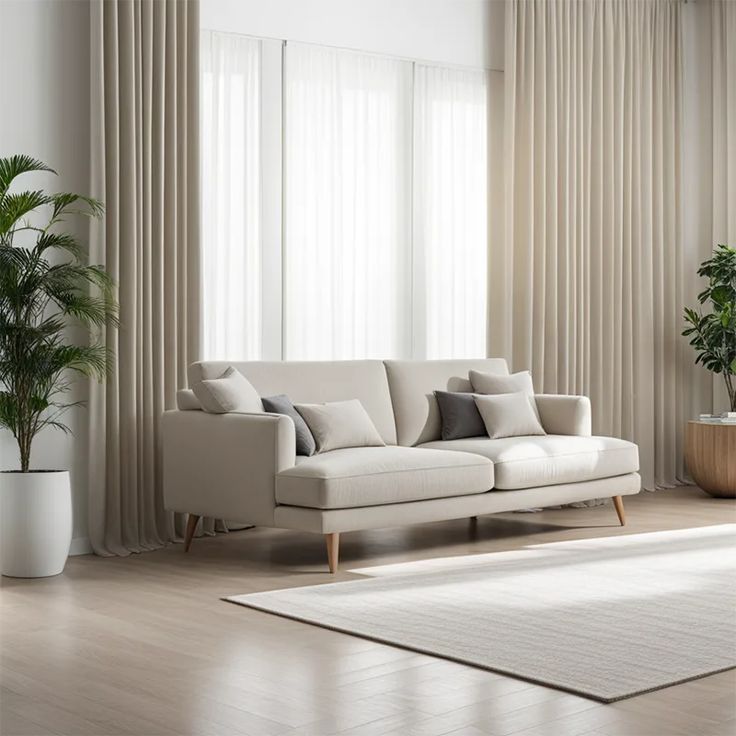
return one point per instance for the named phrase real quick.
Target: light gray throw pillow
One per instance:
(490, 383)
(460, 416)
(508, 415)
(340, 424)
(281, 404)
(232, 391)
(187, 401)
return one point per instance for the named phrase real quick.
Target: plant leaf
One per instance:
(14, 166)
(19, 204)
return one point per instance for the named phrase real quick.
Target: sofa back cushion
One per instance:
(413, 383)
(307, 382)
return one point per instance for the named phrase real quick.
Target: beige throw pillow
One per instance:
(340, 424)
(508, 415)
(490, 383)
(187, 401)
(232, 391)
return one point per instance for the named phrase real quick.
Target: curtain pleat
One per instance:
(723, 21)
(593, 241)
(145, 167)
(723, 29)
(723, 58)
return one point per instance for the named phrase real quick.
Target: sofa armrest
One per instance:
(561, 414)
(224, 465)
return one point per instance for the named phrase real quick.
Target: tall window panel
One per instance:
(231, 196)
(450, 212)
(347, 169)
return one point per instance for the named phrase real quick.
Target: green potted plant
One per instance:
(710, 446)
(713, 334)
(46, 287)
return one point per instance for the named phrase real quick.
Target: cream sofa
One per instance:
(243, 467)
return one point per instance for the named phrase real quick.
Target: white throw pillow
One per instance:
(490, 383)
(232, 391)
(509, 415)
(340, 424)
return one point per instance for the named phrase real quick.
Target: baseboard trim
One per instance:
(80, 546)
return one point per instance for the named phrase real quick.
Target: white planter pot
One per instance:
(35, 523)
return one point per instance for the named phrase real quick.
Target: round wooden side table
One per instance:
(710, 454)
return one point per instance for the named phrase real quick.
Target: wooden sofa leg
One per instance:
(618, 503)
(333, 550)
(191, 526)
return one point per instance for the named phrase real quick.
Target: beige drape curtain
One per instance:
(712, 203)
(145, 167)
(723, 20)
(586, 284)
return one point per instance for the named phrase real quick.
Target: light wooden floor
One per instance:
(143, 645)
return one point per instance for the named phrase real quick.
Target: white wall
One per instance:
(463, 32)
(44, 55)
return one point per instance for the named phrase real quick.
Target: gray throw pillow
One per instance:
(460, 415)
(281, 404)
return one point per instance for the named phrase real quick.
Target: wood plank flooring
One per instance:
(143, 645)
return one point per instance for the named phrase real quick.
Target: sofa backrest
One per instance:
(412, 383)
(315, 382)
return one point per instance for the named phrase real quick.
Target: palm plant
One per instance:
(46, 286)
(713, 335)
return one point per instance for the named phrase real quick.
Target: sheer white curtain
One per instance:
(347, 168)
(231, 196)
(450, 212)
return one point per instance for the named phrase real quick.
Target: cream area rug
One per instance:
(603, 618)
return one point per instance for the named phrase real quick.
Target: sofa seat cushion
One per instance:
(372, 476)
(528, 462)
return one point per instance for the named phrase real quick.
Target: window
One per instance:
(381, 201)
(347, 204)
